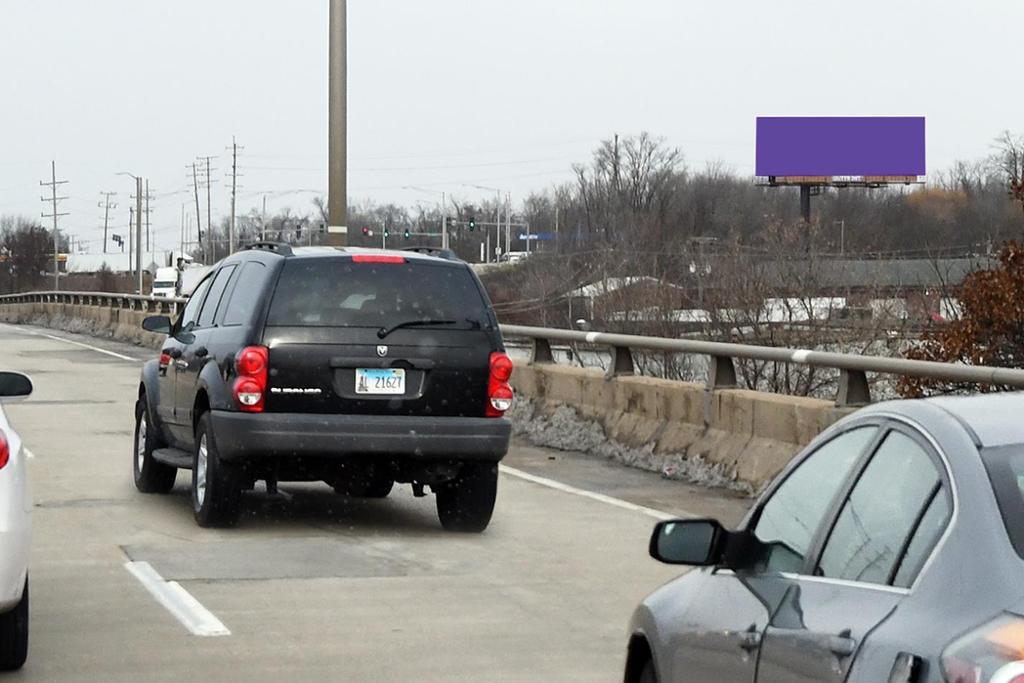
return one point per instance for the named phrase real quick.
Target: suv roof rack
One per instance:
(278, 247)
(439, 252)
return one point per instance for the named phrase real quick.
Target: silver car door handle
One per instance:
(842, 645)
(750, 639)
(181, 364)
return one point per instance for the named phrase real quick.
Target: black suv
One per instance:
(356, 367)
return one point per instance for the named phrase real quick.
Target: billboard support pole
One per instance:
(805, 203)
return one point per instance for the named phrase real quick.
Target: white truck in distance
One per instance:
(165, 283)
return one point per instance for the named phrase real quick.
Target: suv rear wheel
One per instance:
(14, 634)
(467, 502)
(216, 493)
(150, 476)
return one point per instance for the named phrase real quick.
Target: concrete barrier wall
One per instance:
(748, 436)
(122, 324)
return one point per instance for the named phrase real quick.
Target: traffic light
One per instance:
(472, 223)
(407, 234)
(387, 233)
(366, 232)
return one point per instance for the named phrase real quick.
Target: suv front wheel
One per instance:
(467, 502)
(216, 493)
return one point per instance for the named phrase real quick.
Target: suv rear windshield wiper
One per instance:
(385, 331)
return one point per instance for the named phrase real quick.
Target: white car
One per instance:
(15, 531)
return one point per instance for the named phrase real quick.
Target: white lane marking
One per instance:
(28, 454)
(87, 346)
(600, 497)
(178, 601)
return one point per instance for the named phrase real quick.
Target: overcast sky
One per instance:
(446, 94)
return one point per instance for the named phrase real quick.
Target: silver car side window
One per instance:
(882, 512)
(790, 517)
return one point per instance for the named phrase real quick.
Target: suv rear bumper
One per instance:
(257, 435)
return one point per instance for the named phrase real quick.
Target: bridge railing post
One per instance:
(621, 363)
(854, 389)
(721, 373)
(541, 352)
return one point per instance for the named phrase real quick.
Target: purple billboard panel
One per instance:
(840, 146)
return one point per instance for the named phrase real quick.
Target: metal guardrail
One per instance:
(132, 302)
(853, 384)
(854, 389)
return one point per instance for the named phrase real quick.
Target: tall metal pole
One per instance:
(444, 221)
(138, 228)
(199, 222)
(337, 189)
(52, 200)
(107, 206)
(56, 235)
(263, 221)
(209, 213)
(147, 216)
(805, 203)
(131, 239)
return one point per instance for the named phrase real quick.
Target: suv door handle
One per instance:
(201, 352)
(750, 639)
(842, 645)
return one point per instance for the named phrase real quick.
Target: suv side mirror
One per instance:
(160, 324)
(14, 386)
(696, 542)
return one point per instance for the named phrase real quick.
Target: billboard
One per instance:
(836, 149)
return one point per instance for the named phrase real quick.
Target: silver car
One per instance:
(15, 531)
(889, 550)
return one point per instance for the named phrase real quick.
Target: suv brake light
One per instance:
(499, 391)
(251, 384)
(992, 653)
(5, 450)
(377, 258)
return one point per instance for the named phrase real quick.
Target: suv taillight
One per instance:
(251, 384)
(5, 450)
(992, 653)
(499, 391)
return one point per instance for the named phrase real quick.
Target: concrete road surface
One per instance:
(312, 586)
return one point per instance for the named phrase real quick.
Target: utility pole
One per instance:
(263, 221)
(106, 205)
(444, 221)
(138, 229)
(337, 189)
(131, 237)
(199, 223)
(147, 215)
(181, 242)
(209, 212)
(234, 189)
(54, 215)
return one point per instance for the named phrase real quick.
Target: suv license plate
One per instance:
(374, 381)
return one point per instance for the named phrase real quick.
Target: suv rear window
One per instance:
(328, 292)
(1005, 466)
